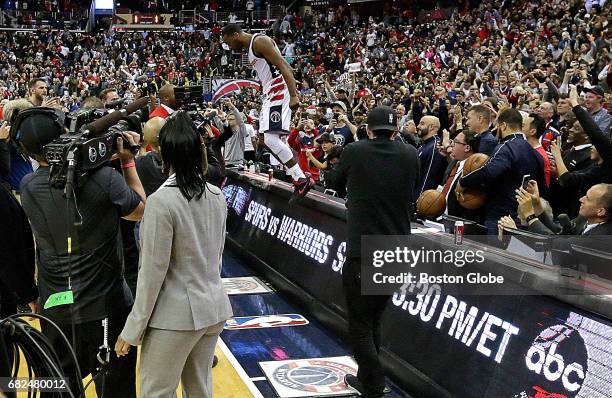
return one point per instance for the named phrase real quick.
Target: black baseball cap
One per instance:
(325, 137)
(382, 118)
(597, 90)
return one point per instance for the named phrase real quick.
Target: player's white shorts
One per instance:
(275, 115)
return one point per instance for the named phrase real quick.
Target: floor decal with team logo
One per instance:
(244, 285)
(265, 321)
(317, 377)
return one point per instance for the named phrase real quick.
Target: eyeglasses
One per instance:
(453, 142)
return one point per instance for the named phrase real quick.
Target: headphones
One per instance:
(58, 117)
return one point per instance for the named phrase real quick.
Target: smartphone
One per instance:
(525, 182)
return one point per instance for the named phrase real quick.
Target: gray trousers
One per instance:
(170, 356)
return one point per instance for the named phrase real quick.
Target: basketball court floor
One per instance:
(272, 348)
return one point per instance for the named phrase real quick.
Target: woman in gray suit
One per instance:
(180, 306)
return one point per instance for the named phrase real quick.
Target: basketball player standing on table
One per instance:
(280, 97)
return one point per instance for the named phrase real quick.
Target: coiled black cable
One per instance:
(41, 358)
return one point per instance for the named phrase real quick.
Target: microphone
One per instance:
(567, 226)
(104, 123)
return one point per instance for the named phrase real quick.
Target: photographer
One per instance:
(82, 260)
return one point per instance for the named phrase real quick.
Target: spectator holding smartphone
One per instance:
(344, 131)
(302, 140)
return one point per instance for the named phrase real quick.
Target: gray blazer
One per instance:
(179, 281)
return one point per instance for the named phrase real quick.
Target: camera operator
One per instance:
(90, 263)
(150, 166)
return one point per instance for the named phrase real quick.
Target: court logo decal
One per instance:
(266, 321)
(318, 377)
(244, 285)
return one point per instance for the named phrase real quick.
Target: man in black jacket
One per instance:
(432, 162)
(368, 168)
(512, 159)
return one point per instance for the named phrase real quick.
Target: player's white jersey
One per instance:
(270, 77)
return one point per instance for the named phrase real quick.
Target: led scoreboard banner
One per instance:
(435, 343)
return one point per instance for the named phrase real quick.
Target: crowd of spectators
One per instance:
(539, 69)
(43, 5)
(55, 14)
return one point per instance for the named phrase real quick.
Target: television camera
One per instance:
(191, 100)
(90, 140)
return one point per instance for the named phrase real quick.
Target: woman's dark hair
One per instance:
(181, 149)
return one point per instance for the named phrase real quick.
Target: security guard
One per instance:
(380, 175)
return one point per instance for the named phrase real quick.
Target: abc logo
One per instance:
(559, 355)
